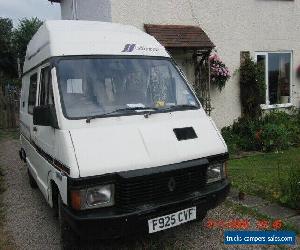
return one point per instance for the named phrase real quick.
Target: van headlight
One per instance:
(216, 172)
(94, 197)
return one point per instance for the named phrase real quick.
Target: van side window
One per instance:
(46, 91)
(32, 93)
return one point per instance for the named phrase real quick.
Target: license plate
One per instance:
(171, 220)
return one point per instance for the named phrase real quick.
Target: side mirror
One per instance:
(45, 116)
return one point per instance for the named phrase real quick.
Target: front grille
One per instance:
(157, 189)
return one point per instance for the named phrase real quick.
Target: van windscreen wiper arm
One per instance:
(180, 107)
(88, 120)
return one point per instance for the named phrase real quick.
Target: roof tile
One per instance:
(179, 36)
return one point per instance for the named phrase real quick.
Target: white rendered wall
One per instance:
(233, 26)
(96, 10)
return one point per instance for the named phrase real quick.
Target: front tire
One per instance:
(201, 216)
(69, 240)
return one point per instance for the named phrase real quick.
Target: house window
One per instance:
(278, 76)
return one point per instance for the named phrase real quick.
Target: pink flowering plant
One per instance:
(219, 72)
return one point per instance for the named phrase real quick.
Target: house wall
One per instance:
(253, 25)
(232, 25)
(98, 10)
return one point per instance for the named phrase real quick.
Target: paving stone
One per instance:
(248, 201)
(277, 211)
(233, 195)
(253, 201)
(295, 221)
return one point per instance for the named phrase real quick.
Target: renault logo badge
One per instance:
(171, 184)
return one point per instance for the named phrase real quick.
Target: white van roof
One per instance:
(73, 37)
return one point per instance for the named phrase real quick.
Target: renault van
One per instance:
(113, 134)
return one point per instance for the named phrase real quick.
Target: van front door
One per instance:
(44, 135)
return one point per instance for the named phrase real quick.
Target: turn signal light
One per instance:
(76, 200)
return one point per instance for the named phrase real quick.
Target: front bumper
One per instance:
(107, 223)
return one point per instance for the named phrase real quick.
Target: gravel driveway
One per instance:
(31, 223)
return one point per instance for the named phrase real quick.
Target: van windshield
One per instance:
(92, 87)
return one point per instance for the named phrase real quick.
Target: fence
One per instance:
(9, 110)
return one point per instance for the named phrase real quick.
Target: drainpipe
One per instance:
(74, 10)
(209, 83)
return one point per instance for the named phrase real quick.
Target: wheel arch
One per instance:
(57, 183)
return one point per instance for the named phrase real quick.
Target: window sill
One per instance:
(276, 106)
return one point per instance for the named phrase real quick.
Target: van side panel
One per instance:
(43, 137)
(49, 152)
(26, 128)
(65, 153)
(25, 118)
(32, 158)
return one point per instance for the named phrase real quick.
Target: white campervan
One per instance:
(112, 133)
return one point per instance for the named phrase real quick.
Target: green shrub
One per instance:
(252, 86)
(274, 137)
(290, 188)
(274, 131)
(241, 135)
(233, 140)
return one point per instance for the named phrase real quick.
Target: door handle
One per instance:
(35, 129)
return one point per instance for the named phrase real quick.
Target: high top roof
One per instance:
(67, 38)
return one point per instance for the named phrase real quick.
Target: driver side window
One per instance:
(32, 93)
(46, 91)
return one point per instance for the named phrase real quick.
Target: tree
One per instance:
(23, 34)
(7, 58)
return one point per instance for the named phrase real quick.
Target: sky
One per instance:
(17, 9)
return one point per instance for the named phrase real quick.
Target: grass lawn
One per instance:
(272, 176)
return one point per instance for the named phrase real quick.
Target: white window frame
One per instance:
(267, 104)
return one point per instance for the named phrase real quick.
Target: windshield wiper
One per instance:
(180, 107)
(132, 109)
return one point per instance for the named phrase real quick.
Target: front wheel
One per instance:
(69, 239)
(201, 216)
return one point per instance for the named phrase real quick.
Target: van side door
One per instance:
(28, 102)
(44, 136)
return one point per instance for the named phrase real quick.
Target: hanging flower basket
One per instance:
(219, 73)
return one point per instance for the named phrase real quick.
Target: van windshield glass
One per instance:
(93, 87)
